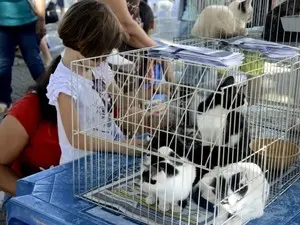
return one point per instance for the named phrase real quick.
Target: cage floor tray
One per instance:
(127, 197)
(47, 198)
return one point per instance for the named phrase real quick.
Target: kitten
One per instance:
(167, 180)
(220, 117)
(241, 188)
(219, 21)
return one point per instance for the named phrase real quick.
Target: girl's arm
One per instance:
(132, 99)
(40, 6)
(89, 143)
(13, 139)
(138, 37)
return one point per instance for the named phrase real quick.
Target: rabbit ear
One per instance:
(244, 177)
(248, 2)
(213, 185)
(169, 169)
(153, 170)
(218, 186)
(210, 182)
(227, 81)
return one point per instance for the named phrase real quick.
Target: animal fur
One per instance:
(242, 190)
(167, 181)
(219, 21)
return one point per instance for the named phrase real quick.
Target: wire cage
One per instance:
(165, 152)
(270, 20)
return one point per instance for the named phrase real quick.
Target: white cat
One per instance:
(241, 189)
(220, 21)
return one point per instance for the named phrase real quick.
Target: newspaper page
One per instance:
(128, 198)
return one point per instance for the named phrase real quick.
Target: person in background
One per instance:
(19, 26)
(128, 15)
(44, 49)
(147, 17)
(188, 13)
(32, 136)
(61, 5)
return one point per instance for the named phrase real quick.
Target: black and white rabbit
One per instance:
(205, 157)
(221, 116)
(210, 159)
(241, 188)
(167, 180)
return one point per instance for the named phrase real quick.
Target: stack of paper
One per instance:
(270, 49)
(202, 55)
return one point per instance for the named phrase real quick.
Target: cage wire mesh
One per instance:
(160, 151)
(270, 20)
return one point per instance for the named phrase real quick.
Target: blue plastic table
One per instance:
(47, 198)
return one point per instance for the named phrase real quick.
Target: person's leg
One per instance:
(182, 28)
(61, 5)
(30, 47)
(185, 28)
(62, 11)
(190, 27)
(45, 51)
(7, 55)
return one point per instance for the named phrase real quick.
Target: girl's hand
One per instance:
(131, 144)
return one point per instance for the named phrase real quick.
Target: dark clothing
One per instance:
(61, 3)
(26, 38)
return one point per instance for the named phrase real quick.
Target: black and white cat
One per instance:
(221, 117)
(167, 180)
(220, 21)
(241, 189)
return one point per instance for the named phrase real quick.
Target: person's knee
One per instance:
(34, 62)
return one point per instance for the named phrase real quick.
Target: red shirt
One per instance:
(42, 150)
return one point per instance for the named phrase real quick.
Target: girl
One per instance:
(88, 29)
(28, 141)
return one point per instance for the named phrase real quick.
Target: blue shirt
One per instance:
(16, 13)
